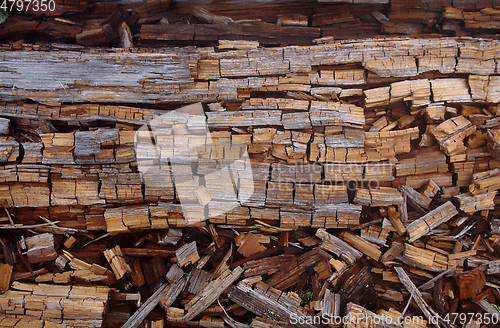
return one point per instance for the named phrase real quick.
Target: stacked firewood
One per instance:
(349, 183)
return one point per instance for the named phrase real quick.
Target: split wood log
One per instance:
(114, 256)
(338, 247)
(415, 197)
(485, 181)
(395, 218)
(424, 258)
(136, 319)
(431, 220)
(172, 292)
(417, 295)
(362, 245)
(211, 293)
(187, 254)
(472, 203)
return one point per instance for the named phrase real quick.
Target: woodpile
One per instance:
(331, 163)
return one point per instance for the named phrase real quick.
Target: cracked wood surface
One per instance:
(174, 75)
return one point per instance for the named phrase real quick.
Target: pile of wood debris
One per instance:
(374, 167)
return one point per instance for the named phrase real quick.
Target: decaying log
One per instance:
(299, 59)
(431, 189)
(102, 273)
(424, 258)
(370, 138)
(126, 40)
(4, 125)
(425, 161)
(250, 245)
(336, 216)
(396, 249)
